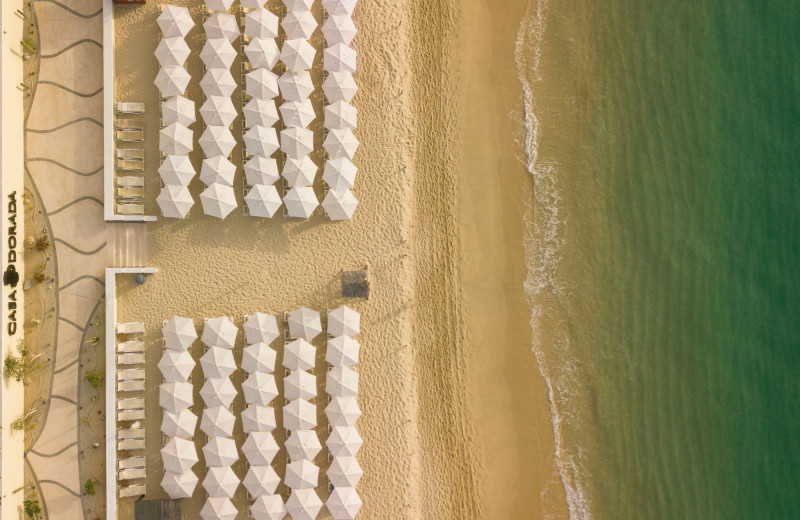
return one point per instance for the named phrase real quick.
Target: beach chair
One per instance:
(132, 473)
(131, 491)
(130, 182)
(130, 403)
(130, 386)
(132, 462)
(130, 193)
(132, 154)
(130, 165)
(129, 124)
(131, 374)
(130, 209)
(130, 433)
(130, 359)
(129, 136)
(130, 415)
(130, 444)
(130, 108)
(130, 347)
(131, 327)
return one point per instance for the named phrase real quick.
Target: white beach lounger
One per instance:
(130, 444)
(129, 124)
(131, 491)
(130, 108)
(130, 209)
(130, 433)
(130, 403)
(130, 359)
(131, 327)
(132, 473)
(130, 193)
(129, 136)
(131, 154)
(130, 165)
(132, 462)
(130, 347)
(130, 181)
(130, 386)
(130, 374)
(130, 415)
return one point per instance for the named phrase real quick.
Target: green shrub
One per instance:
(32, 508)
(95, 378)
(90, 488)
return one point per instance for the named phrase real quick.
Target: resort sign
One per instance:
(10, 275)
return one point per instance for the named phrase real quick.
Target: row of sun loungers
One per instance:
(130, 410)
(127, 130)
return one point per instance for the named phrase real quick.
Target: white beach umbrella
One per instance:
(341, 143)
(339, 86)
(344, 503)
(303, 504)
(257, 418)
(172, 81)
(261, 83)
(179, 455)
(303, 444)
(299, 355)
(175, 201)
(261, 480)
(220, 482)
(261, 140)
(300, 385)
(218, 53)
(298, 5)
(342, 351)
(222, 25)
(299, 415)
(218, 392)
(340, 115)
(259, 111)
(344, 321)
(342, 381)
(342, 411)
(177, 170)
(181, 424)
(261, 170)
(340, 205)
(300, 172)
(339, 173)
(344, 441)
(298, 54)
(178, 109)
(259, 388)
(217, 421)
(218, 5)
(300, 202)
(261, 327)
(261, 24)
(179, 333)
(258, 357)
(175, 396)
(217, 169)
(339, 28)
(253, 4)
(262, 52)
(339, 6)
(218, 82)
(295, 86)
(299, 24)
(219, 332)
(268, 507)
(302, 474)
(179, 485)
(218, 362)
(260, 448)
(175, 21)
(297, 142)
(172, 52)
(219, 508)
(175, 139)
(304, 323)
(176, 365)
(263, 200)
(220, 451)
(298, 113)
(218, 111)
(339, 58)
(345, 472)
(217, 140)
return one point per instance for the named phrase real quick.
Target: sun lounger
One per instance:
(132, 473)
(130, 444)
(130, 374)
(131, 491)
(130, 386)
(130, 415)
(130, 433)
(130, 181)
(133, 154)
(129, 136)
(131, 327)
(130, 165)
(130, 193)
(130, 347)
(130, 209)
(130, 359)
(130, 403)
(132, 462)
(130, 108)
(129, 124)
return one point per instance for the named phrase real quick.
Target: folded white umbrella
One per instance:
(218, 53)
(218, 362)
(299, 355)
(260, 448)
(339, 28)
(176, 365)
(298, 54)
(269, 507)
(217, 140)
(259, 111)
(175, 21)
(218, 111)
(261, 140)
(177, 170)
(172, 81)
(345, 472)
(219, 332)
(259, 357)
(340, 115)
(299, 415)
(339, 58)
(220, 508)
(340, 205)
(339, 173)
(220, 451)
(181, 424)
(172, 51)
(300, 172)
(303, 504)
(339, 86)
(299, 24)
(179, 455)
(295, 86)
(298, 113)
(217, 421)
(261, 83)
(218, 392)
(179, 485)
(339, 6)
(220, 482)
(261, 24)
(342, 381)
(175, 201)
(304, 323)
(344, 321)
(344, 503)
(342, 351)
(263, 200)
(342, 411)
(175, 396)
(261, 480)
(261, 170)
(259, 389)
(300, 385)
(178, 109)
(262, 52)
(303, 444)
(297, 142)
(261, 327)
(222, 25)
(175, 139)
(218, 82)
(217, 169)
(253, 4)
(302, 474)
(218, 5)
(258, 419)
(344, 441)
(179, 333)
(341, 143)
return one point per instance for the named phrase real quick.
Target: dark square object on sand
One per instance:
(355, 284)
(157, 510)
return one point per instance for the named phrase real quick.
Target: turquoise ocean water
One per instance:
(664, 252)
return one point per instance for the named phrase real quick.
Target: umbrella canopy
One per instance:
(299, 355)
(304, 323)
(299, 415)
(269, 507)
(339, 28)
(339, 6)
(297, 142)
(218, 53)
(303, 444)
(218, 111)
(260, 111)
(217, 140)
(181, 424)
(218, 392)
(260, 448)
(222, 25)
(177, 170)
(299, 24)
(217, 421)
(340, 115)
(220, 508)
(220, 451)
(258, 357)
(261, 24)
(261, 170)
(339, 173)
(344, 503)
(179, 333)
(261, 480)
(176, 365)
(253, 4)
(298, 113)
(178, 109)
(262, 52)
(218, 5)
(218, 362)
(175, 201)
(344, 441)
(340, 205)
(261, 327)
(179, 485)
(301, 202)
(175, 21)
(303, 504)
(219, 332)
(339, 86)
(344, 321)
(298, 5)
(259, 388)
(342, 351)
(342, 382)
(217, 169)
(172, 81)
(221, 482)
(218, 82)
(302, 474)
(175, 139)
(295, 86)
(179, 455)
(261, 140)
(342, 411)
(341, 143)
(345, 472)
(297, 54)
(263, 200)
(261, 83)
(172, 52)
(339, 58)
(300, 385)
(257, 418)
(176, 396)
(300, 172)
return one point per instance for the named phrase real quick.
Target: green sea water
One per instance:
(664, 252)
